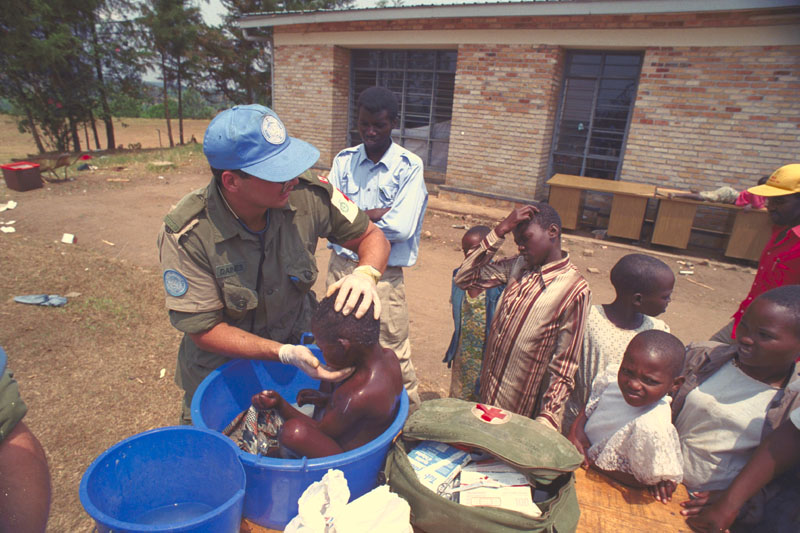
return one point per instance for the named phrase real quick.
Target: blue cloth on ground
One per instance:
(50, 300)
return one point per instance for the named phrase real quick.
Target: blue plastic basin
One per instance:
(275, 485)
(179, 478)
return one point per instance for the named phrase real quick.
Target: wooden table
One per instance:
(628, 204)
(752, 229)
(675, 220)
(606, 506)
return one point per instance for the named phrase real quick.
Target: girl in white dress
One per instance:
(626, 428)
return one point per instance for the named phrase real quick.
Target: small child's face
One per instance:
(643, 378)
(656, 301)
(469, 242)
(767, 336)
(334, 353)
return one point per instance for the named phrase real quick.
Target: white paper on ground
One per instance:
(319, 503)
(377, 510)
(323, 508)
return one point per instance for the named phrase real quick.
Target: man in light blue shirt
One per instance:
(385, 180)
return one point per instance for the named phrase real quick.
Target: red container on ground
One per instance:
(22, 176)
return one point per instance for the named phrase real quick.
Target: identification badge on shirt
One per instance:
(224, 271)
(344, 204)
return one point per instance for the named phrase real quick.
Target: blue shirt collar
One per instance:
(390, 156)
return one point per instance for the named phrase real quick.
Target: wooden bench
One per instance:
(675, 221)
(628, 204)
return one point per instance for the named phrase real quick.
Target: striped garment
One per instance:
(535, 341)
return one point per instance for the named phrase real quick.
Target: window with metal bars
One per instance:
(594, 113)
(423, 81)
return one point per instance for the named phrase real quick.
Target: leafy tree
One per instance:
(44, 70)
(116, 57)
(195, 105)
(172, 28)
(55, 59)
(240, 68)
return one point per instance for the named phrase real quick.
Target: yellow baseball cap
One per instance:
(785, 180)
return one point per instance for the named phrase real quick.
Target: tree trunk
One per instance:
(180, 102)
(34, 131)
(94, 130)
(101, 86)
(86, 135)
(166, 99)
(76, 139)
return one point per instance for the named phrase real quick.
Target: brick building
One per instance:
(496, 98)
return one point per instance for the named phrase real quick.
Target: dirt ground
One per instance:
(90, 372)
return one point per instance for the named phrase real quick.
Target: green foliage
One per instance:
(64, 63)
(195, 105)
(124, 105)
(7, 107)
(157, 110)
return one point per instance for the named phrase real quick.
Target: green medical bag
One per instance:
(545, 457)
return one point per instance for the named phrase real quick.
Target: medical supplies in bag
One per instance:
(542, 456)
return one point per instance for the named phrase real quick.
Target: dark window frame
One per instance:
(591, 129)
(381, 70)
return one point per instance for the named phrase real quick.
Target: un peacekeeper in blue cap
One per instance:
(238, 255)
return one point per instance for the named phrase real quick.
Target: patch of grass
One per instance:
(96, 310)
(177, 155)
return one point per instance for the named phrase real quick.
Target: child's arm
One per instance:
(577, 436)
(477, 270)
(270, 399)
(779, 451)
(300, 433)
(687, 195)
(564, 363)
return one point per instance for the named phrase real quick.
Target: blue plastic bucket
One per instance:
(275, 485)
(179, 478)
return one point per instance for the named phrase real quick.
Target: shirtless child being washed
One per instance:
(347, 414)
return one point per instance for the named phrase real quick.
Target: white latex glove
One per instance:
(302, 358)
(351, 287)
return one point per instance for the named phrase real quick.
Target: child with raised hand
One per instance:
(355, 412)
(643, 286)
(473, 310)
(535, 338)
(625, 429)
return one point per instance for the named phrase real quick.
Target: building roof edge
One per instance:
(511, 9)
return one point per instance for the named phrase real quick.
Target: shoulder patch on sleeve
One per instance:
(175, 283)
(345, 205)
(187, 210)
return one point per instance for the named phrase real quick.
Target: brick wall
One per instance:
(312, 84)
(706, 117)
(503, 110)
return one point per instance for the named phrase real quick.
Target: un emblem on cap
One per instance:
(273, 130)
